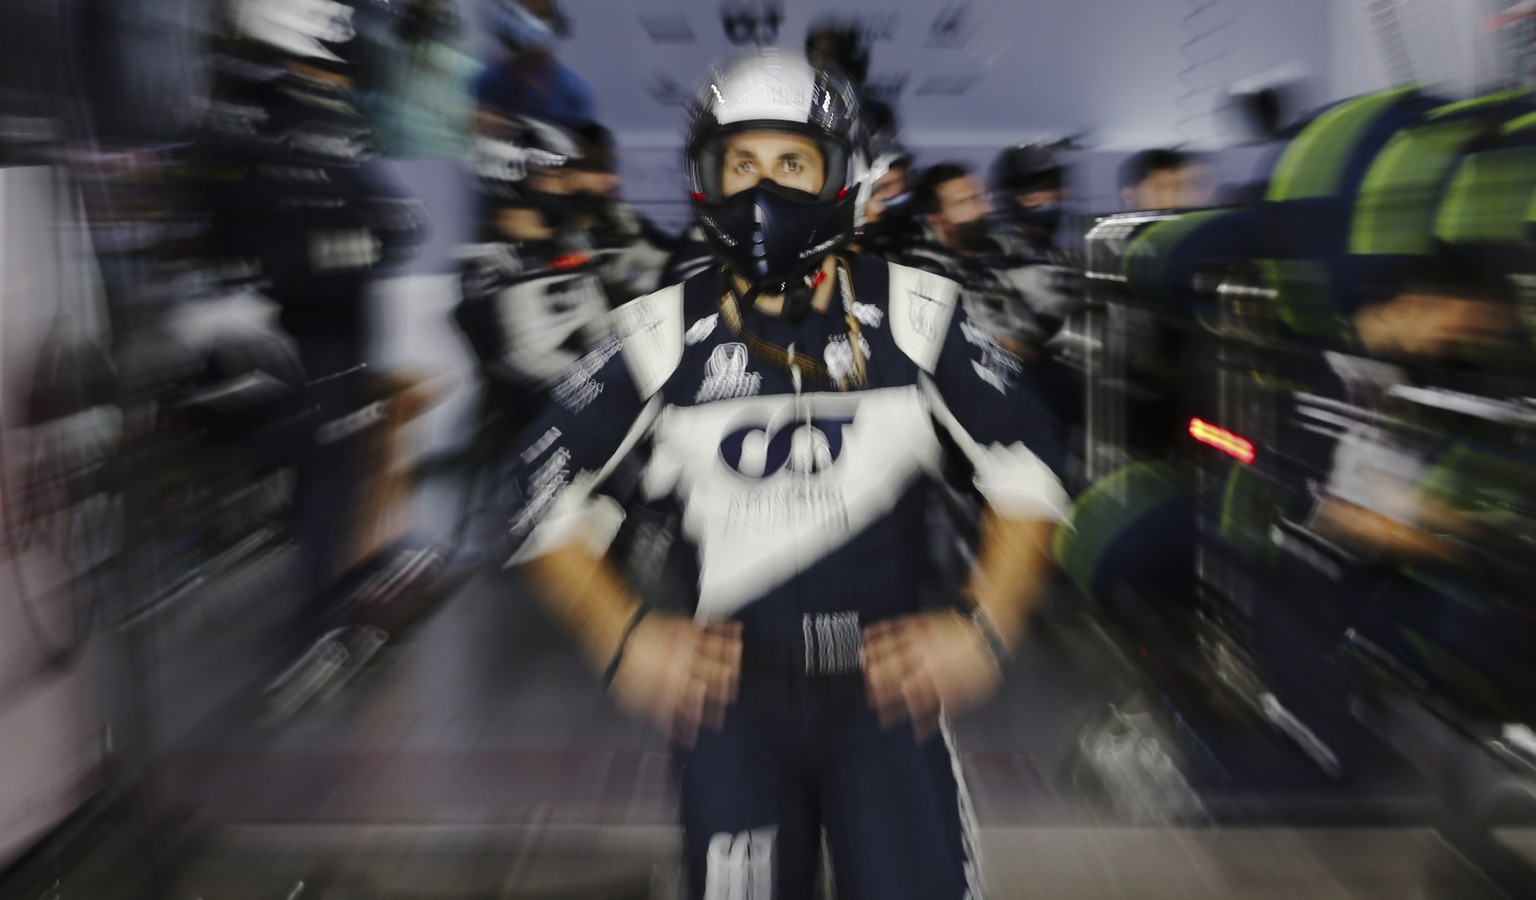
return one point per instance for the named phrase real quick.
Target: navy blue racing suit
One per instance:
(806, 510)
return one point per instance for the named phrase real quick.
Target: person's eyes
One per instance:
(793, 165)
(746, 166)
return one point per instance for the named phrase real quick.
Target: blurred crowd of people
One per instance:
(1355, 336)
(282, 185)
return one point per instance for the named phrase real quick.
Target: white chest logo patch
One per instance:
(839, 356)
(870, 315)
(701, 329)
(727, 376)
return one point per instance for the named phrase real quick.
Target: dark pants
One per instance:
(799, 754)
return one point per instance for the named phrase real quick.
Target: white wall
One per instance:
(1114, 70)
(48, 720)
(1109, 66)
(1358, 65)
(1442, 40)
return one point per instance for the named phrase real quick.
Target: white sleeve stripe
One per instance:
(1014, 481)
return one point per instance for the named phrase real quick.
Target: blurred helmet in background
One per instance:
(890, 190)
(524, 164)
(1026, 167)
(839, 42)
(528, 26)
(1029, 179)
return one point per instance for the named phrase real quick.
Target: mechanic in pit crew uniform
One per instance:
(532, 300)
(793, 398)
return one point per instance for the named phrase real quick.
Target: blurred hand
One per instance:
(917, 665)
(679, 676)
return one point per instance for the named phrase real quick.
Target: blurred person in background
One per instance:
(1372, 501)
(840, 41)
(790, 400)
(889, 229)
(1162, 179)
(532, 298)
(956, 211)
(1372, 530)
(631, 251)
(297, 207)
(528, 81)
(423, 108)
(1022, 293)
(690, 256)
(1030, 182)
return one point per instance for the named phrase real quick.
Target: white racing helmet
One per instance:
(771, 234)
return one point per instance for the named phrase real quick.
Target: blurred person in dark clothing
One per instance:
(1162, 179)
(1438, 324)
(297, 207)
(631, 251)
(528, 81)
(422, 106)
(1382, 511)
(1030, 182)
(955, 207)
(839, 41)
(291, 187)
(956, 211)
(533, 302)
(1021, 293)
(889, 228)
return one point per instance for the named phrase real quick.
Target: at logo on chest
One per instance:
(802, 447)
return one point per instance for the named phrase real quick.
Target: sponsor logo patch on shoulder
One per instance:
(922, 309)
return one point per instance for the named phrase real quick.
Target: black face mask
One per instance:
(886, 229)
(560, 212)
(1045, 218)
(974, 236)
(772, 235)
(585, 204)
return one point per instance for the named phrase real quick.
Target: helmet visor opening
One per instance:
(714, 154)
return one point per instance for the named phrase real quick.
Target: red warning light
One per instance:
(1221, 439)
